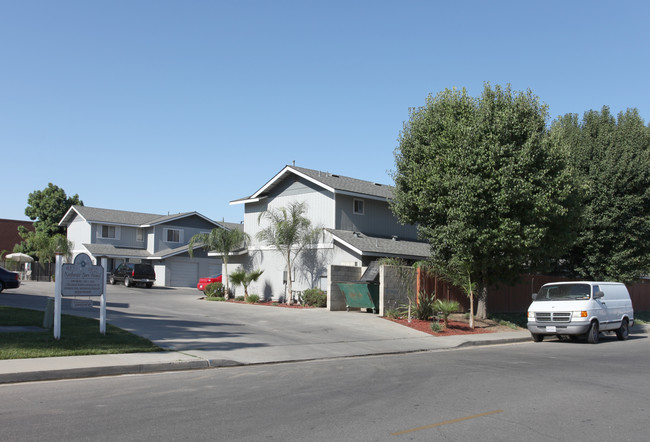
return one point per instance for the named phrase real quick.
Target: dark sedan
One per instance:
(8, 280)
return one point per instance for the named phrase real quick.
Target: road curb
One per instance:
(91, 372)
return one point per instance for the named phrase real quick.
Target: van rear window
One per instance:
(564, 292)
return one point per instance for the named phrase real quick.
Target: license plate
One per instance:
(551, 329)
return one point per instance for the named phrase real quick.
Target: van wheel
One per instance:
(624, 331)
(149, 284)
(536, 337)
(127, 282)
(592, 334)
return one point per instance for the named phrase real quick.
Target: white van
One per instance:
(580, 308)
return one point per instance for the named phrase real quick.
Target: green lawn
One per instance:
(79, 336)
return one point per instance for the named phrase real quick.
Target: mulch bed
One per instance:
(455, 327)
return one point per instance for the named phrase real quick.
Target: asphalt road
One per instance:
(546, 391)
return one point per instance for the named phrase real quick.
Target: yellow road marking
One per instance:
(453, 421)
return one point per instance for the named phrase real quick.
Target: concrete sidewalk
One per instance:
(40, 369)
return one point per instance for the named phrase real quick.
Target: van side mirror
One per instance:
(598, 295)
(534, 296)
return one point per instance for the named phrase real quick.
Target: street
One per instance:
(536, 392)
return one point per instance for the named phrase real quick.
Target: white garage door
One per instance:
(184, 274)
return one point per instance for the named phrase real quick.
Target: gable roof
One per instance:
(125, 218)
(328, 181)
(376, 246)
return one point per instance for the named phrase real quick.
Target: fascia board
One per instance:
(247, 200)
(348, 245)
(361, 195)
(284, 172)
(181, 216)
(63, 221)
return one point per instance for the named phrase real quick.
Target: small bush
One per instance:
(436, 327)
(393, 313)
(239, 298)
(446, 308)
(217, 298)
(253, 299)
(423, 309)
(315, 297)
(214, 290)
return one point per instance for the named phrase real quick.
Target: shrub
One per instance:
(214, 290)
(393, 313)
(315, 297)
(252, 299)
(436, 327)
(423, 309)
(445, 308)
(239, 298)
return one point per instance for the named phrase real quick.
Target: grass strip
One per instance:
(79, 336)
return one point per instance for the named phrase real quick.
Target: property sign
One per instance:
(82, 278)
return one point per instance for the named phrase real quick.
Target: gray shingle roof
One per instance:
(348, 184)
(126, 218)
(93, 214)
(111, 251)
(337, 183)
(377, 246)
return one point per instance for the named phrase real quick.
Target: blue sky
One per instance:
(176, 106)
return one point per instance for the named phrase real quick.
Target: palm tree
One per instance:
(244, 278)
(289, 231)
(222, 241)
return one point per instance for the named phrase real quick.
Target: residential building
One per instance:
(357, 227)
(159, 240)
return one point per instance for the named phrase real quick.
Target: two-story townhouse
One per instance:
(159, 240)
(357, 227)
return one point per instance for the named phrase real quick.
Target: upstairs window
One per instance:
(108, 232)
(357, 207)
(139, 235)
(173, 235)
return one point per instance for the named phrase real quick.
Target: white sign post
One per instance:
(81, 278)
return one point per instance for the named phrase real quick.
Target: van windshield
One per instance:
(564, 292)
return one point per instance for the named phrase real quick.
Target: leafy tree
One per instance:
(222, 241)
(289, 232)
(484, 186)
(611, 159)
(244, 278)
(48, 206)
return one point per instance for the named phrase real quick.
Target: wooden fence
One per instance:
(517, 298)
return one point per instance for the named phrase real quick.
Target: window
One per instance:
(139, 235)
(108, 232)
(173, 235)
(357, 207)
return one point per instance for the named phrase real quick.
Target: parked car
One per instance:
(203, 282)
(131, 273)
(581, 308)
(8, 280)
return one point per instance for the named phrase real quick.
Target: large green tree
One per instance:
(289, 231)
(610, 157)
(220, 240)
(47, 207)
(484, 186)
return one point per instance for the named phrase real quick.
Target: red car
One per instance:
(203, 282)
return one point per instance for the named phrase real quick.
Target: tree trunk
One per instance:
(224, 279)
(481, 311)
(289, 294)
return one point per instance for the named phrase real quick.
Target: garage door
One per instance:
(184, 274)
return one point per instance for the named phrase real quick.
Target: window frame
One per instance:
(362, 203)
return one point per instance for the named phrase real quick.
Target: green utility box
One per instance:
(361, 295)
